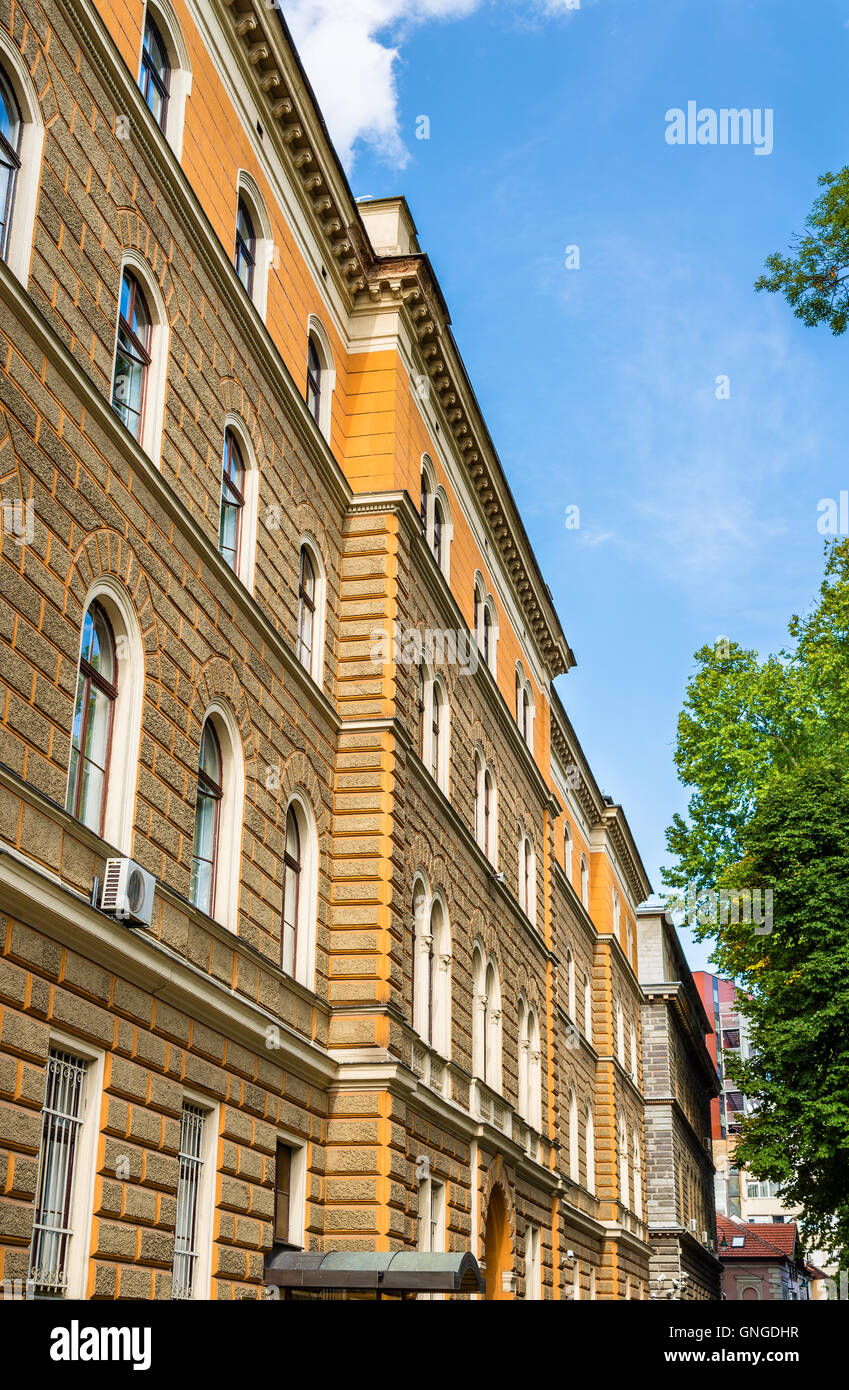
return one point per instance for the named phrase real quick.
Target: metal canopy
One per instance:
(395, 1271)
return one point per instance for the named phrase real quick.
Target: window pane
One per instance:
(61, 1121)
(188, 1186)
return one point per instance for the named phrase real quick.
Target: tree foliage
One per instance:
(764, 746)
(815, 278)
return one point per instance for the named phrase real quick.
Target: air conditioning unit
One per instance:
(692, 1223)
(128, 891)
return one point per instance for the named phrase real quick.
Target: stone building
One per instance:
(316, 932)
(680, 1082)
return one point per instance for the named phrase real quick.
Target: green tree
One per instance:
(764, 747)
(815, 278)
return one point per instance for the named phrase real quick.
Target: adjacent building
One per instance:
(317, 935)
(764, 1261)
(680, 1085)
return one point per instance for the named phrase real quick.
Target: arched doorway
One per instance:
(497, 1252)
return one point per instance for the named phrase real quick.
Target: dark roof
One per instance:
(389, 1270)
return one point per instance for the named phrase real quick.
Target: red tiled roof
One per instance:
(770, 1241)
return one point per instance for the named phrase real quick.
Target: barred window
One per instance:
(62, 1118)
(186, 1242)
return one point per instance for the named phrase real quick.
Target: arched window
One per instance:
(527, 876)
(486, 1033)
(424, 504)
(11, 130)
(524, 707)
(96, 696)
(574, 1153)
(306, 608)
(567, 849)
(155, 78)
(165, 71)
(435, 717)
(103, 764)
(292, 868)
(479, 819)
(313, 380)
(617, 914)
(490, 818)
(232, 502)
(245, 254)
(534, 1073)
(207, 820)
(585, 882)
(300, 892)
(321, 376)
(431, 969)
(624, 1190)
(638, 1176)
(132, 356)
(630, 927)
(523, 1068)
(570, 983)
(485, 624)
(487, 633)
(435, 516)
(634, 1067)
(588, 1008)
(590, 1130)
(438, 524)
(620, 1031)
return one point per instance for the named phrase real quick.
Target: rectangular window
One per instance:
(189, 1233)
(730, 1037)
(533, 1269)
(282, 1193)
(432, 1216)
(56, 1213)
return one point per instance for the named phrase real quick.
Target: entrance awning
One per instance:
(387, 1271)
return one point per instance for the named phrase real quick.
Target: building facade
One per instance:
(316, 932)
(680, 1084)
(765, 1264)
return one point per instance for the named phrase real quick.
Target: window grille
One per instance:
(62, 1118)
(188, 1187)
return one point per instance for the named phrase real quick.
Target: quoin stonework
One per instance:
(305, 951)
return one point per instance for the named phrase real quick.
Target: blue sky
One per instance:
(547, 129)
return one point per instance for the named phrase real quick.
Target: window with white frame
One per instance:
(590, 1143)
(630, 939)
(435, 517)
(527, 875)
(485, 625)
(300, 892)
(432, 1216)
(524, 706)
(21, 148)
(585, 882)
(107, 716)
(253, 246)
(617, 914)
(312, 597)
(638, 1176)
(219, 803)
(620, 1032)
(435, 719)
(624, 1191)
(570, 984)
(140, 365)
(588, 1008)
(165, 71)
(321, 375)
(237, 517)
(431, 967)
(58, 1256)
(530, 1066)
(486, 809)
(289, 1175)
(533, 1263)
(486, 1031)
(195, 1196)
(568, 846)
(634, 1066)
(574, 1151)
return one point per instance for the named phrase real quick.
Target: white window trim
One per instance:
(297, 1187)
(228, 867)
(430, 1188)
(568, 853)
(316, 668)
(248, 191)
(85, 1171)
(28, 180)
(119, 819)
(202, 1285)
(246, 570)
(533, 1263)
(308, 890)
(180, 77)
(157, 372)
(317, 331)
(574, 1138)
(585, 882)
(570, 985)
(432, 684)
(590, 1148)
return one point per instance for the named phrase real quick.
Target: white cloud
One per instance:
(351, 50)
